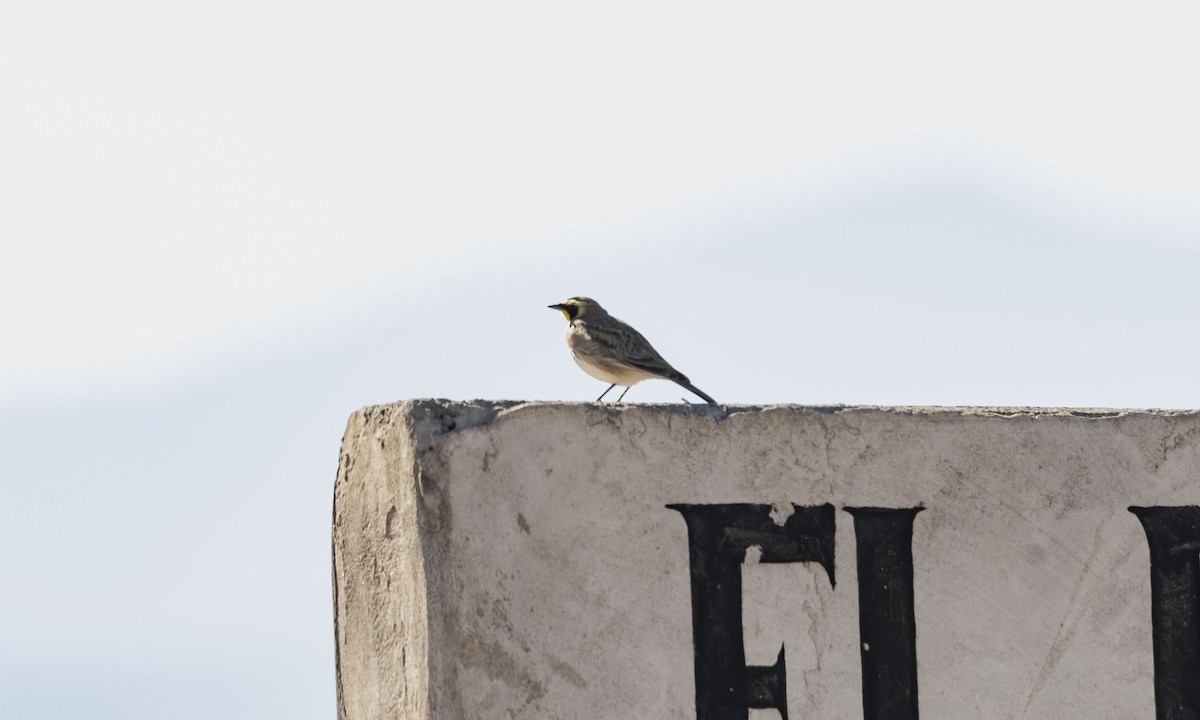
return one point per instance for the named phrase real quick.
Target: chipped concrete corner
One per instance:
(578, 561)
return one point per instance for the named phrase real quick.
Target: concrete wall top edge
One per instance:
(463, 414)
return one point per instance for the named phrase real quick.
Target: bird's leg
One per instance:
(610, 387)
(623, 394)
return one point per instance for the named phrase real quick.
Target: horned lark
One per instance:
(609, 350)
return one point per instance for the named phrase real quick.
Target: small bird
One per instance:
(610, 350)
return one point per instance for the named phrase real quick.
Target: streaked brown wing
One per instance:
(620, 342)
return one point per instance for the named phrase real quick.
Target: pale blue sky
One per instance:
(227, 226)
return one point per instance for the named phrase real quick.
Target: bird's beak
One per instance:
(562, 309)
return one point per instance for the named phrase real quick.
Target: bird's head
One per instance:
(578, 307)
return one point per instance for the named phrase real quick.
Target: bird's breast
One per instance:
(595, 361)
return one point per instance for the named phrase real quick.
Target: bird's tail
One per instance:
(697, 391)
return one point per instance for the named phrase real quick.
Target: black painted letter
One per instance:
(887, 624)
(718, 537)
(1174, 537)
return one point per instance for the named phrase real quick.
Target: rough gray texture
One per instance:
(504, 560)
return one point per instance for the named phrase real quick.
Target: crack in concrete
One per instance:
(829, 435)
(1069, 552)
(1173, 441)
(814, 616)
(1066, 627)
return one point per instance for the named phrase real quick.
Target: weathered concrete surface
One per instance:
(518, 561)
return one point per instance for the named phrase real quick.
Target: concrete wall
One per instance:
(502, 560)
